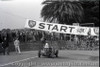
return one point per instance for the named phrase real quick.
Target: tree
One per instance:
(91, 12)
(63, 12)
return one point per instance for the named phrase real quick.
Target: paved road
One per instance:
(66, 59)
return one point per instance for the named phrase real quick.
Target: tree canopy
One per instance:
(91, 12)
(65, 12)
(68, 12)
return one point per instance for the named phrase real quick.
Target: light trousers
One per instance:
(17, 48)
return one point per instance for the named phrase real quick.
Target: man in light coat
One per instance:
(16, 44)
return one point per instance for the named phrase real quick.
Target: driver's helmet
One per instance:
(46, 45)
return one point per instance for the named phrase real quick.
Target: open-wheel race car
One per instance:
(48, 52)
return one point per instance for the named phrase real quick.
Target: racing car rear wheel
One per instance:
(39, 54)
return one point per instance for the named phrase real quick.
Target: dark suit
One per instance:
(5, 46)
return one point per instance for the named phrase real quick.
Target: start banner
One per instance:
(61, 28)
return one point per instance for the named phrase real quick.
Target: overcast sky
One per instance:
(13, 13)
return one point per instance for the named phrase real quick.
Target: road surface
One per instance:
(67, 58)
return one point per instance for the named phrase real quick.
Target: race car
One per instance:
(49, 49)
(50, 52)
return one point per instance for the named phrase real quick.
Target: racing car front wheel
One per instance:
(56, 53)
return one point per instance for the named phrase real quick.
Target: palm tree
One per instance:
(63, 12)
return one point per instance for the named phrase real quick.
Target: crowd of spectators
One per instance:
(26, 35)
(22, 34)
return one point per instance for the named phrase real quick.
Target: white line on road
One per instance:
(18, 61)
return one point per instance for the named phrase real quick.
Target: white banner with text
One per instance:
(61, 28)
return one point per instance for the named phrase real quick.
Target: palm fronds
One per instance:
(64, 12)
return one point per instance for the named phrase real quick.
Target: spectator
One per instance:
(0, 38)
(16, 44)
(5, 45)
